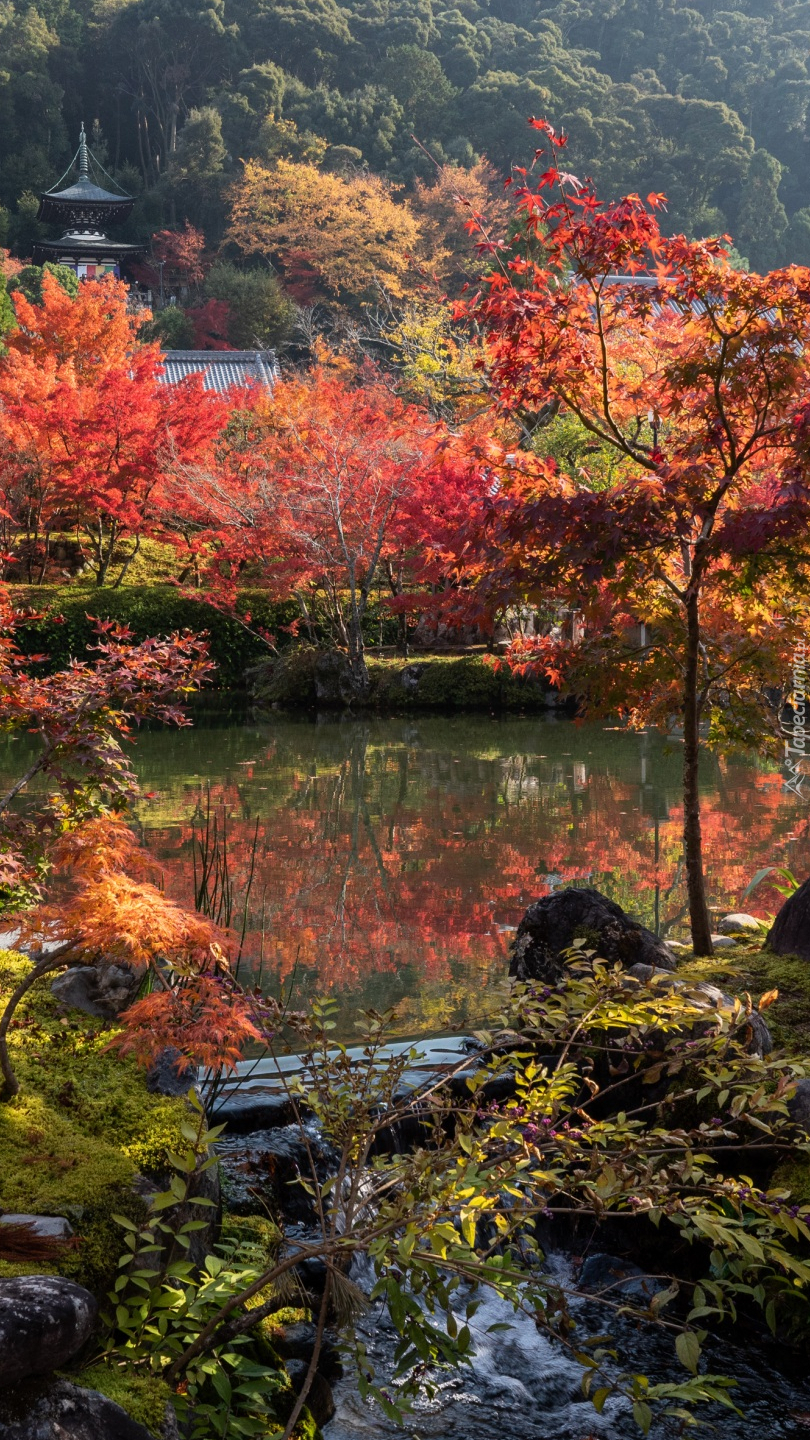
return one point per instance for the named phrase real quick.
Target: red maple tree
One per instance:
(688, 569)
(313, 494)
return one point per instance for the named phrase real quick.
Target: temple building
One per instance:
(85, 209)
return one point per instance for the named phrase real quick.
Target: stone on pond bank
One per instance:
(95, 990)
(552, 924)
(45, 1227)
(739, 924)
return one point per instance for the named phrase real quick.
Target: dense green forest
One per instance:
(703, 101)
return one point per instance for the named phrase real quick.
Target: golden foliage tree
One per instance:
(344, 236)
(461, 204)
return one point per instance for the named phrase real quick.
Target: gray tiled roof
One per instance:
(222, 369)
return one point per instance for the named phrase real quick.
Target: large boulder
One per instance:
(790, 932)
(44, 1321)
(551, 925)
(65, 1412)
(104, 990)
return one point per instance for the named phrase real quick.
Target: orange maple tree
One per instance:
(88, 434)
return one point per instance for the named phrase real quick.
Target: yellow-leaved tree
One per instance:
(334, 236)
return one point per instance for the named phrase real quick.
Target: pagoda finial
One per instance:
(84, 164)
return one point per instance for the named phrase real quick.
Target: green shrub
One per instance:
(64, 631)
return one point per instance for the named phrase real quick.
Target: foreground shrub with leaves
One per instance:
(631, 1107)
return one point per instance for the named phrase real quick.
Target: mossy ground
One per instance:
(751, 967)
(81, 1128)
(71, 1143)
(754, 969)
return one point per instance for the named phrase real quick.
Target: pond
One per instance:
(387, 861)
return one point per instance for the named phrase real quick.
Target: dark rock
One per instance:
(312, 1273)
(410, 676)
(551, 925)
(45, 1227)
(297, 1342)
(44, 1321)
(320, 1400)
(165, 1077)
(799, 1105)
(270, 1164)
(250, 1111)
(65, 1412)
(609, 1275)
(757, 1042)
(334, 682)
(790, 932)
(103, 990)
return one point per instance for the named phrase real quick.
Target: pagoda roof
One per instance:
(84, 199)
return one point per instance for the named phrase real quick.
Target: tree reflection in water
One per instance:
(394, 857)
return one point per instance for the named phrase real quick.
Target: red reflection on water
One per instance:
(397, 874)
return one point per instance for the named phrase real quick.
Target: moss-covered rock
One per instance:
(144, 1397)
(753, 968)
(80, 1130)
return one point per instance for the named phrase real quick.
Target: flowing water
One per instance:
(523, 1385)
(387, 862)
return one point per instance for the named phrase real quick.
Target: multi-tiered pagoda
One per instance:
(85, 209)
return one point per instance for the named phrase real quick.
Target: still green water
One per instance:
(387, 862)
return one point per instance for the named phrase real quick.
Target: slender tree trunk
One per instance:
(125, 567)
(692, 837)
(357, 657)
(354, 635)
(10, 1084)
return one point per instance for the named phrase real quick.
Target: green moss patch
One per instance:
(756, 970)
(82, 1126)
(445, 683)
(144, 1397)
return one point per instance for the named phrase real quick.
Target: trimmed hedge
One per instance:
(64, 630)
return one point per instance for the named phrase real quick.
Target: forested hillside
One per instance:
(706, 103)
